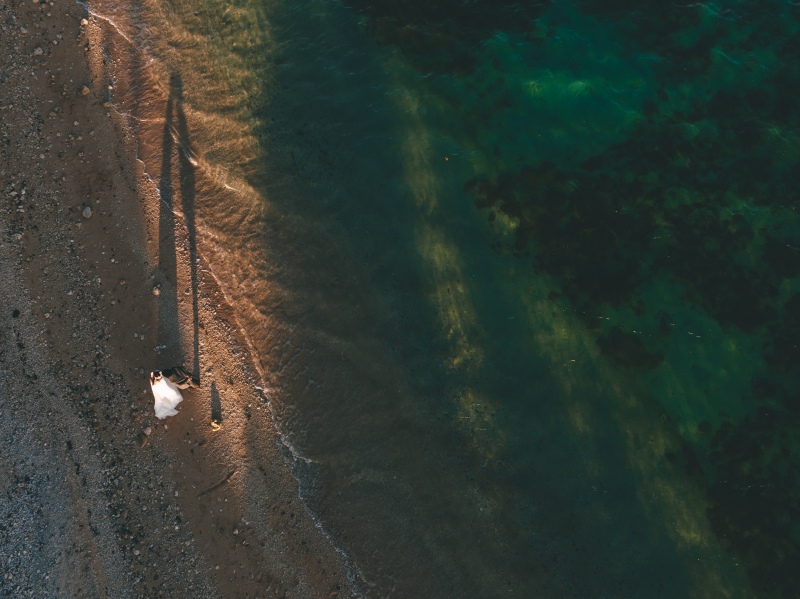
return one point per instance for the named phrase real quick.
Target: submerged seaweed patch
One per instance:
(443, 36)
(753, 495)
(700, 194)
(645, 160)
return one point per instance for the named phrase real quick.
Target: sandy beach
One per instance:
(103, 280)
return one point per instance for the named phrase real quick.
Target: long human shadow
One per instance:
(168, 337)
(187, 182)
(176, 138)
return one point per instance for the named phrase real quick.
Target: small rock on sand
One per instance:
(87, 212)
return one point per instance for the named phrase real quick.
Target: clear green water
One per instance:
(539, 282)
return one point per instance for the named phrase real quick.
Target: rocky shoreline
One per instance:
(98, 498)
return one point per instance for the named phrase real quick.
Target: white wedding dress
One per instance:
(167, 397)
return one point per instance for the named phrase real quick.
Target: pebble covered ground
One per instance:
(98, 498)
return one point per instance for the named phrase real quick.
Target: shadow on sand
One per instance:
(216, 406)
(176, 145)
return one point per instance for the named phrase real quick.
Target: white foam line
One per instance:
(108, 20)
(157, 190)
(354, 574)
(254, 353)
(138, 118)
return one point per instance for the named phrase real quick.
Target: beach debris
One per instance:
(85, 91)
(166, 395)
(87, 212)
(38, 51)
(213, 488)
(156, 290)
(180, 377)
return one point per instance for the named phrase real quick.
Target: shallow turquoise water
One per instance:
(541, 271)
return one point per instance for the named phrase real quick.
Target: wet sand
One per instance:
(98, 498)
